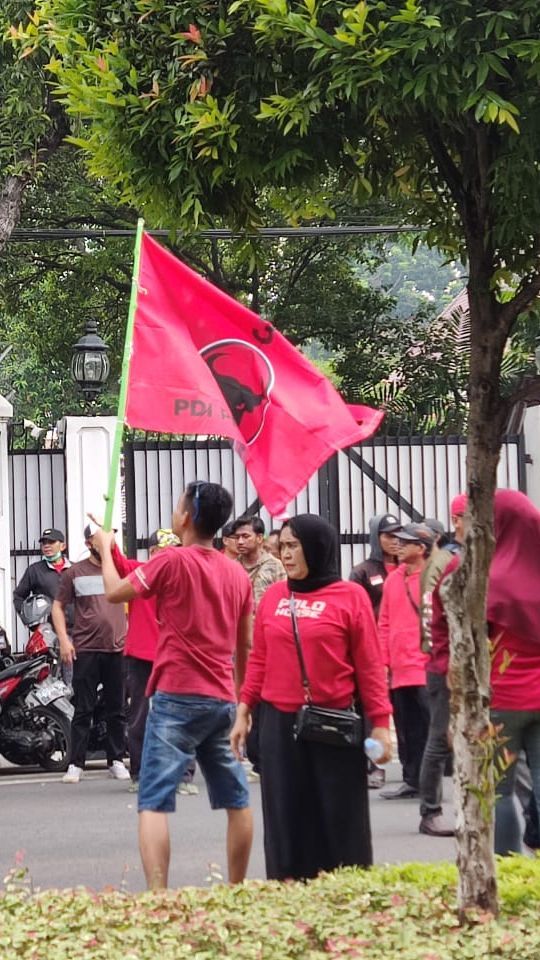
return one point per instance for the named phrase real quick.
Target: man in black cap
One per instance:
(43, 576)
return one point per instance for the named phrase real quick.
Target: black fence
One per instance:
(413, 476)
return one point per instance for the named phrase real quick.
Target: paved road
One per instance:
(86, 834)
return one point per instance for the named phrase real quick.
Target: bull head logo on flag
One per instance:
(245, 377)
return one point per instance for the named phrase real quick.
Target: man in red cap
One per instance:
(458, 509)
(399, 633)
(371, 574)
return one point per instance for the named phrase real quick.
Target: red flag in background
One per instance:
(202, 363)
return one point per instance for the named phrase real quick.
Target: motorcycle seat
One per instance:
(17, 668)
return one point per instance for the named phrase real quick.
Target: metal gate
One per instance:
(37, 494)
(411, 476)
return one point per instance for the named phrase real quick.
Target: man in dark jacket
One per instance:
(382, 559)
(43, 576)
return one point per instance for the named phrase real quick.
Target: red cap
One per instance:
(459, 505)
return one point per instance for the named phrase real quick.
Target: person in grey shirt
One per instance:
(94, 646)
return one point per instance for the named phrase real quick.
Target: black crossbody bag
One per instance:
(338, 728)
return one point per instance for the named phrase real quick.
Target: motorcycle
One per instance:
(35, 710)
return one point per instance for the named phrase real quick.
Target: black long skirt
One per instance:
(314, 799)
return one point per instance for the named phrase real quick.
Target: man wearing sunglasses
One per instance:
(205, 623)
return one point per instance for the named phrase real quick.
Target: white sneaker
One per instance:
(73, 774)
(119, 771)
(188, 789)
(252, 777)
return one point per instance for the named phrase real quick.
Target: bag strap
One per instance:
(305, 679)
(414, 604)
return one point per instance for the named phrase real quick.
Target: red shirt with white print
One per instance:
(340, 647)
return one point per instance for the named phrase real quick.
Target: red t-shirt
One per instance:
(142, 628)
(201, 598)
(340, 647)
(515, 672)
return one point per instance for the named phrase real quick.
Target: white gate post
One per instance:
(531, 430)
(88, 443)
(6, 609)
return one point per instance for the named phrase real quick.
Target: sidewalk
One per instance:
(89, 835)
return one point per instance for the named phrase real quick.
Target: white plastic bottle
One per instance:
(373, 749)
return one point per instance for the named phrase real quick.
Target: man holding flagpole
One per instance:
(205, 623)
(198, 362)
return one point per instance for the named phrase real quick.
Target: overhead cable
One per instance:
(28, 235)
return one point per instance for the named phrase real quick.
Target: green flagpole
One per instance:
(119, 432)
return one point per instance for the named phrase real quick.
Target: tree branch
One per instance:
(218, 279)
(448, 168)
(255, 291)
(300, 264)
(97, 221)
(216, 261)
(527, 392)
(527, 291)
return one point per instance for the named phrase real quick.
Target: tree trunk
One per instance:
(11, 197)
(12, 188)
(464, 597)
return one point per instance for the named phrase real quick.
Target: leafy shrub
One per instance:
(405, 911)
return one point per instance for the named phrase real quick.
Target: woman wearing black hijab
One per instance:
(314, 796)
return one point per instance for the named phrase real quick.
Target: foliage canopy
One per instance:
(191, 107)
(32, 122)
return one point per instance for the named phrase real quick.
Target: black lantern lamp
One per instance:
(90, 364)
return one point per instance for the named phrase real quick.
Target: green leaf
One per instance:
(482, 71)
(506, 117)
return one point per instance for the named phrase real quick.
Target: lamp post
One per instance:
(90, 364)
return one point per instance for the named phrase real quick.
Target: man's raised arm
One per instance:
(117, 589)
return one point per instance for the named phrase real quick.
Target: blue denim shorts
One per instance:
(179, 729)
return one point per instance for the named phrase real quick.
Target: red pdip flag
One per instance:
(202, 363)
